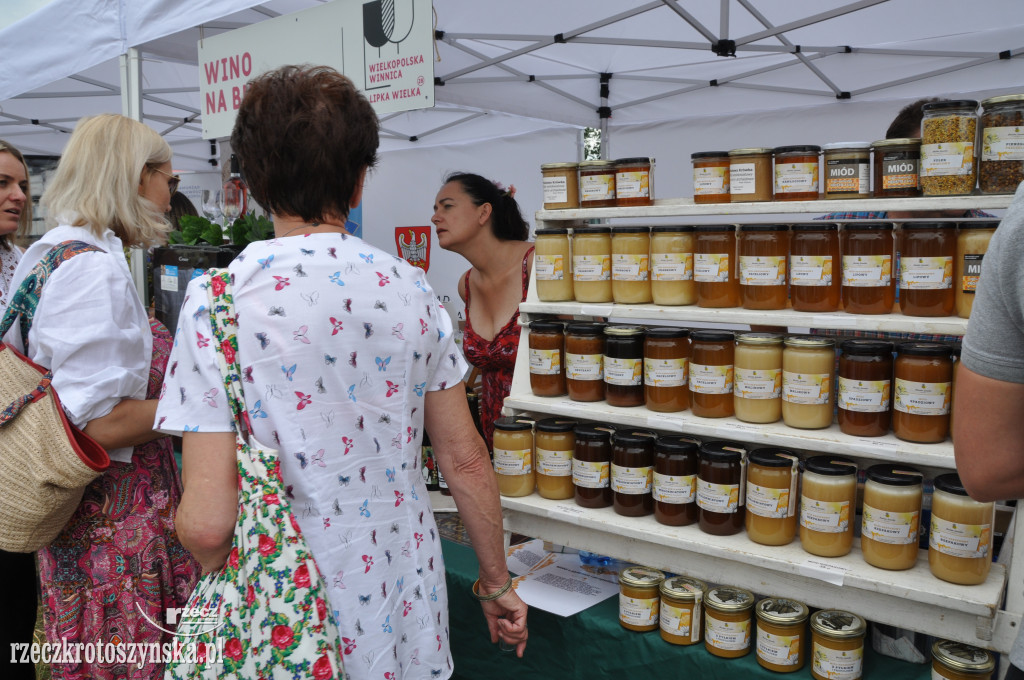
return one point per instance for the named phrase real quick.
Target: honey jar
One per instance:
(827, 503)
(634, 182)
(868, 284)
(897, 167)
(971, 246)
(592, 465)
(597, 184)
(837, 645)
(631, 276)
(721, 485)
(808, 370)
(763, 254)
(714, 266)
(561, 185)
(682, 610)
(847, 170)
(666, 369)
(728, 621)
(865, 387)
(927, 251)
(623, 365)
(923, 391)
(547, 358)
(632, 470)
(750, 175)
(781, 634)
(796, 172)
(672, 265)
(552, 265)
(674, 482)
(757, 385)
(639, 598)
(814, 282)
(960, 541)
(592, 264)
(711, 373)
(892, 516)
(772, 478)
(554, 444)
(957, 661)
(584, 361)
(710, 177)
(513, 457)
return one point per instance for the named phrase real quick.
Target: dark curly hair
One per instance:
(907, 122)
(506, 219)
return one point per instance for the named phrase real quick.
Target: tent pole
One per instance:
(131, 107)
(605, 112)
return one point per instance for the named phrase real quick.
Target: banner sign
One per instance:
(414, 245)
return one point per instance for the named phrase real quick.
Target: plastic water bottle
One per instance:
(594, 560)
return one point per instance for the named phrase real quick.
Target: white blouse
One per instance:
(8, 263)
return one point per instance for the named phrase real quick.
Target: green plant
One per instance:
(196, 230)
(249, 228)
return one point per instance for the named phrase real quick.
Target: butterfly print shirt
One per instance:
(339, 342)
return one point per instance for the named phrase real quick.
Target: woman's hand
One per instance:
(506, 620)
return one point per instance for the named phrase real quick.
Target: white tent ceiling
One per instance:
(512, 68)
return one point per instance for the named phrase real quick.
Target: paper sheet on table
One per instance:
(557, 582)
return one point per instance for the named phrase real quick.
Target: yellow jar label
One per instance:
(717, 497)
(847, 664)
(633, 184)
(678, 621)
(665, 372)
(806, 388)
(671, 266)
(863, 396)
(623, 371)
(631, 480)
(591, 475)
(554, 463)
(765, 501)
(779, 650)
(926, 273)
(726, 635)
(584, 366)
(549, 267)
(794, 178)
(758, 270)
(922, 399)
(638, 611)
(947, 158)
(867, 271)
(674, 489)
(959, 540)
(711, 267)
(827, 517)
(711, 181)
(592, 267)
(810, 270)
(513, 461)
(756, 383)
(556, 189)
(710, 379)
(629, 267)
(597, 187)
(545, 361)
(1003, 144)
(896, 528)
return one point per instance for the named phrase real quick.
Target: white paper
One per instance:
(557, 582)
(824, 571)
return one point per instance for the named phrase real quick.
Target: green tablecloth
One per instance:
(593, 646)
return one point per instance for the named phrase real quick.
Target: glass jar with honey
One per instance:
(923, 374)
(828, 500)
(632, 471)
(561, 185)
(584, 360)
(971, 246)
(513, 456)
(892, 516)
(757, 388)
(666, 369)
(772, 479)
(868, 283)
(547, 358)
(957, 661)
(710, 177)
(597, 184)
(674, 482)
(781, 634)
(837, 645)
(552, 265)
(639, 597)
(763, 255)
(960, 541)
(592, 264)
(672, 265)
(808, 371)
(750, 175)
(592, 465)
(714, 266)
(554, 444)
(927, 251)
(814, 276)
(634, 181)
(711, 373)
(796, 172)
(721, 485)
(728, 621)
(623, 365)
(682, 610)
(631, 272)
(865, 387)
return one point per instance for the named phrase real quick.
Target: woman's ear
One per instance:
(485, 213)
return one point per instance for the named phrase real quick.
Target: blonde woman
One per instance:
(118, 566)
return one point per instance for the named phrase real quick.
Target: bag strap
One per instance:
(224, 323)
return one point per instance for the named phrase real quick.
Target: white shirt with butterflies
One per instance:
(339, 342)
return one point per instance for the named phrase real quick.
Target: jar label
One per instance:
(806, 388)
(592, 267)
(972, 272)
(810, 270)
(674, 489)
(556, 189)
(1003, 144)
(591, 475)
(717, 497)
(778, 650)
(827, 517)
(863, 396)
(513, 461)
(549, 267)
(584, 366)
(599, 187)
(742, 178)
(671, 266)
(727, 635)
(867, 271)
(638, 611)
(545, 361)
(757, 270)
(628, 372)
(847, 176)
(554, 463)
(970, 541)
(922, 399)
(834, 664)
(756, 383)
(896, 528)
(710, 379)
(711, 181)
(926, 273)
(947, 158)
(633, 184)
(765, 501)
(681, 621)
(631, 480)
(629, 267)
(899, 172)
(711, 267)
(793, 178)
(665, 372)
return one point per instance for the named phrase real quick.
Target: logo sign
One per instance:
(384, 46)
(414, 245)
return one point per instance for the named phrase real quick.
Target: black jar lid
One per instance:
(980, 224)
(624, 331)
(543, 326)
(770, 456)
(714, 227)
(816, 226)
(709, 154)
(868, 226)
(634, 160)
(894, 475)
(928, 225)
(665, 228)
(925, 349)
(594, 431)
(677, 444)
(634, 436)
(512, 424)
(764, 227)
(667, 332)
(949, 104)
(585, 328)
(556, 425)
(583, 231)
(797, 148)
(551, 231)
(950, 483)
(860, 346)
(631, 229)
(712, 336)
(830, 466)
(723, 451)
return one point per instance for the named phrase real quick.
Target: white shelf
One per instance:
(912, 599)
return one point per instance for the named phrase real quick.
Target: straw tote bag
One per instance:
(266, 609)
(45, 462)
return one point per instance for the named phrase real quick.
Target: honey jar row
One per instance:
(812, 267)
(620, 183)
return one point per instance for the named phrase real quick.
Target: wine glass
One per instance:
(211, 205)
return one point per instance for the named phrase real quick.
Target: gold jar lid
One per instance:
(898, 141)
(963, 658)
(781, 610)
(597, 165)
(624, 331)
(759, 338)
(838, 624)
(641, 577)
(683, 587)
(1003, 99)
(729, 599)
(750, 151)
(558, 166)
(809, 342)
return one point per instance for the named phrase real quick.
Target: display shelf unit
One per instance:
(985, 615)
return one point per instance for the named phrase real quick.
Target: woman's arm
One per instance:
(209, 505)
(130, 423)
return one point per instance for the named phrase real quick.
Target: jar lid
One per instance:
(781, 610)
(512, 425)
(723, 451)
(631, 230)
(634, 160)
(591, 230)
(964, 658)
(729, 599)
(683, 587)
(1003, 99)
(894, 475)
(868, 226)
(816, 226)
(949, 104)
(544, 326)
(861, 346)
(950, 483)
(830, 466)
(712, 336)
(770, 456)
(634, 437)
(677, 444)
(760, 338)
(624, 331)
(551, 231)
(897, 141)
(667, 332)
(925, 349)
(750, 151)
(836, 623)
(585, 328)
(908, 226)
(764, 227)
(553, 166)
(641, 576)
(709, 154)
(665, 228)
(852, 146)
(797, 148)
(809, 341)
(980, 224)
(592, 431)
(597, 164)
(715, 227)
(555, 425)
